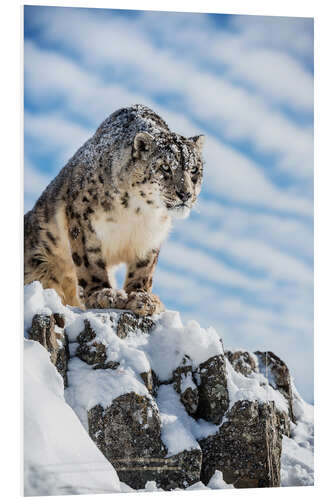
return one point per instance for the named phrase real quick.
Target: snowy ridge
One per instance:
(162, 350)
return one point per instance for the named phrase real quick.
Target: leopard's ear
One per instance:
(142, 144)
(198, 141)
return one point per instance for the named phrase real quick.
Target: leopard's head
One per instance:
(174, 168)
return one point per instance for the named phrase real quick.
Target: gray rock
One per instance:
(284, 422)
(128, 322)
(128, 433)
(148, 380)
(211, 379)
(93, 352)
(181, 470)
(278, 376)
(56, 343)
(242, 362)
(247, 448)
(87, 333)
(184, 384)
(113, 365)
(59, 319)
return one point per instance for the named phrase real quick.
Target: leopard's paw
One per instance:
(144, 303)
(107, 298)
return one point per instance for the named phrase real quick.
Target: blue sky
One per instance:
(243, 261)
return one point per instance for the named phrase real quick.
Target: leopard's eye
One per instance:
(166, 168)
(194, 170)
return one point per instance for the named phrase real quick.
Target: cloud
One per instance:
(291, 34)
(236, 177)
(50, 76)
(245, 250)
(231, 109)
(54, 134)
(200, 264)
(255, 52)
(284, 232)
(34, 184)
(228, 172)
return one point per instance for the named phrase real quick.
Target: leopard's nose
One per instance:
(184, 196)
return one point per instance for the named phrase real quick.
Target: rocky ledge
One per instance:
(166, 403)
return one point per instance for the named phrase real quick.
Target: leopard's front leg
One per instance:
(91, 270)
(138, 286)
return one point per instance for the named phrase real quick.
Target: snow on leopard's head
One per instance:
(160, 169)
(172, 166)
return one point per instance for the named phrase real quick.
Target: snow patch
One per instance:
(217, 482)
(254, 387)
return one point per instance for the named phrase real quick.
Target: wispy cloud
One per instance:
(243, 261)
(54, 134)
(230, 173)
(231, 108)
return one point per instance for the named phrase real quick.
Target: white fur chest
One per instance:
(127, 235)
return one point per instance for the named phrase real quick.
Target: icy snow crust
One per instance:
(162, 350)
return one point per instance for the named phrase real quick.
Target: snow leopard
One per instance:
(113, 203)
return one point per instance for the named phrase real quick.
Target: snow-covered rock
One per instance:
(158, 400)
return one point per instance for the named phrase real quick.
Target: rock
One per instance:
(242, 362)
(181, 470)
(148, 380)
(61, 363)
(184, 384)
(211, 379)
(247, 448)
(278, 376)
(45, 331)
(128, 433)
(128, 323)
(146, 324)
(284, 422)
(93, 352)
(59, 320)
(113, 365)
(87, 333)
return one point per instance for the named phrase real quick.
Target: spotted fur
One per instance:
(113, 203)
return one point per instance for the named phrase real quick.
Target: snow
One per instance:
(170, 342)
(297, 468)
(52, 467)
(186, 382)
(179, 430)
(121, 127)
(176, 427)
(117, 349)
(89, 387)
(217, 482)
(254, 387)
(40, 301)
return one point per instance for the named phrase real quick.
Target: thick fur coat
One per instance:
(113, 203)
